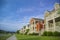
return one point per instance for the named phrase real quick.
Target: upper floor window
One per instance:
(36, 22)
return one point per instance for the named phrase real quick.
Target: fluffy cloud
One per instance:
(16, 24)
(22, 10)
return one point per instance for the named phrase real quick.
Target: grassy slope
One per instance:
(4, 37)
(28, 37)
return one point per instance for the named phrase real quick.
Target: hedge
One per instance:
(51, 33)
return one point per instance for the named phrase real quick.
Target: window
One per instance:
(33, 28)
(36, 22)
(33, 22)
(50, 24)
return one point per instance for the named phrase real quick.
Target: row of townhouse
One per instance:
(51, 22)
(34, 26)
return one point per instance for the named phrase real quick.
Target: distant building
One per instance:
(23, 30)
(36, 25)
(52, 19)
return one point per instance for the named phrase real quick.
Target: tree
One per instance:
(18, 31)
(27, 31)
(24, 27)
(59, 11)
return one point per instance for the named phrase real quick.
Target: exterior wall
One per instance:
(35, 26)
(52, 16)
(32, 26)
(39, 26)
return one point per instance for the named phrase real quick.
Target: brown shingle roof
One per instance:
(37, 19)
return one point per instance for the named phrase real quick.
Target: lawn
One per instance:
(5, 36)
(30, 37)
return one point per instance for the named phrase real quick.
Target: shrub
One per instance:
(26, 31)
(18, 31)
(51, 33)
(59, 11)
(56, 33)
(48, 33)
(34, 34)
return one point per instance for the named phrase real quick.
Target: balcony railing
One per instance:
(52, 16)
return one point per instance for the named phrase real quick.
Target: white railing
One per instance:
(52, 16)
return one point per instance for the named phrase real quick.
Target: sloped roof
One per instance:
(37, 19)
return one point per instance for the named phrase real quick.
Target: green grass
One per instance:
(30, 37)
(4, 37)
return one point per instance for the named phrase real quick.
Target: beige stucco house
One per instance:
(35, 25)
(52, 19)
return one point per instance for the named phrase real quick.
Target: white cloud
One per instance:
(17, 24)
(26, 19)
(22, 10)
(29, 10)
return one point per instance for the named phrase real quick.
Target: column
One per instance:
(54, 24)
(47, 25)
(34, 25)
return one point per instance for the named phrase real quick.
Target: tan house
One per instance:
(36, 25)
(52, 19)
(23, 30)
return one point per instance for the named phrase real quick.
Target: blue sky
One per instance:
(14, 14)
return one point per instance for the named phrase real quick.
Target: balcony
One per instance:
(52, 16)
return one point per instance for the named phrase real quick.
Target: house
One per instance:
(23, 30)
(36, 25)
(52, 19)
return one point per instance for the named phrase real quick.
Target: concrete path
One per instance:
(12, 38)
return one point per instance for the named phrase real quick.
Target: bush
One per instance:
(56, 33)
(59, 11)
(51, 33)
(34, 34)
(48, 33)
(18, 31)
(26, 31)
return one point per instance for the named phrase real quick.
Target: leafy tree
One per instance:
(24, 27)
(27, 31)
(59, 11)
(18, 31)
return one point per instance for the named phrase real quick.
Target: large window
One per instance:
(50, 23)
(36, 22)
(57, 21)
